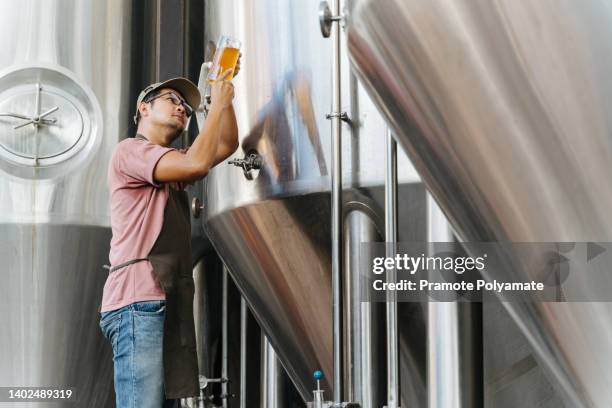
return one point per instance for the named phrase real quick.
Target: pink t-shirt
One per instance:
(137, 216)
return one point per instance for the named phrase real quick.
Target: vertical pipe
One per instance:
(243, 351)
(202, 323)
(272, 376)
(351, 358)
(442, 329)
(363, 332)
(471, 379)
(391, 247)
(454, 339)
(336, 207)
(265, 373)
(224, 340)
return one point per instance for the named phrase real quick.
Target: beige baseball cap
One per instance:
(188, 89)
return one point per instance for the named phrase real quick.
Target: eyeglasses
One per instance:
(176, 100)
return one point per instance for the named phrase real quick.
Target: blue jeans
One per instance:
(136, 335)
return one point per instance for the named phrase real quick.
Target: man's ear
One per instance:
(143, 109)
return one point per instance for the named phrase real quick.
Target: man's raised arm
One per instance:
(214, 143)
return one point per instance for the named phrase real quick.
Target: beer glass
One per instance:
(226, 56)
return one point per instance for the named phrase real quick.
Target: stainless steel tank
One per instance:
(273, 232)
(504, 108)
(68, 76)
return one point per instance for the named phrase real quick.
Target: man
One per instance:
(147, 303)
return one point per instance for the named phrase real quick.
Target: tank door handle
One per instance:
(196, 207)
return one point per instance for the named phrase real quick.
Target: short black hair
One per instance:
(147, 99)
(151, 95)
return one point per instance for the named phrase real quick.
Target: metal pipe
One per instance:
(318, 399)
(202, 325)
(454, 338)
(471, 377)
(442, 329)
(224, 339)
(350, 306)
(391, 247)
(271, 376)
(243, 351)
(336, 179)
(362, 325)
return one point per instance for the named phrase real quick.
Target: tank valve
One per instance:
(205, 381)
(319, 400)
(342, 115)
(251, 161)
(318, 393)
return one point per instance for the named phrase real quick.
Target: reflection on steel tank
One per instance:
(504, 109)
(273, 232)
(67, 73)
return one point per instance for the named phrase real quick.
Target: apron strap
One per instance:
(121, 265)
(124, 264)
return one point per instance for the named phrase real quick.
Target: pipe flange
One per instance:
(326, 19)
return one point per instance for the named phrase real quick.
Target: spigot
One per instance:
(251, 161)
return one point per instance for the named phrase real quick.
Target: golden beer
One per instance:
(226, 57)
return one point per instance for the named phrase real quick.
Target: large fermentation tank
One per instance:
(273, 232)
(68, 71)
(504, 107)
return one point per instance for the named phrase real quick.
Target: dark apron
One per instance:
(172, 266)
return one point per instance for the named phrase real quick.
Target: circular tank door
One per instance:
(48, 122)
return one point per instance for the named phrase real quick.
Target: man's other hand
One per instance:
(222, 91)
